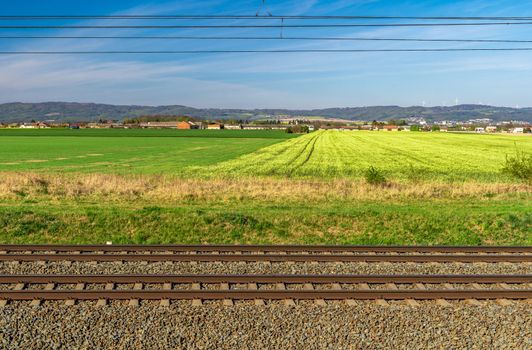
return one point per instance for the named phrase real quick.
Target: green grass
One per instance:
(246, 134)
(125, 151)
(205, 153)
(398, 155)
(415, 222)
(232, 187)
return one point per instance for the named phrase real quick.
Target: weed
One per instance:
(41, 184)
(519, 165)
(374, 176)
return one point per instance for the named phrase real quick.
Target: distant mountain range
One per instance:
(70, 112)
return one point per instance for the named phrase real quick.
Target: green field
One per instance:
(228, 134)
(206, 153)
(126, 151)
(399, 155)
(169, 186)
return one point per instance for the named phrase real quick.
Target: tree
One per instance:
(297, 129)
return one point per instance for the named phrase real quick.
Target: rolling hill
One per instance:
(69, 111)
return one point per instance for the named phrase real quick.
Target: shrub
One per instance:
(297, 129)
(519, 165)
(374, 176)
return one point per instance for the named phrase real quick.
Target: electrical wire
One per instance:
(257, 51)
(270, 17)
(234, 26)
(269, 38)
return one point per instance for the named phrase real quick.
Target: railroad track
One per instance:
(505, 289)
(349, 288)
(271, 253)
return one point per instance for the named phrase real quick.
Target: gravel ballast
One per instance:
(337, 325)
(364, 326)
(62, 267)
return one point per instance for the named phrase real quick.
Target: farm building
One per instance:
(183, 125)
(480, 129)
(390, 128)
(186, 125)
(99, 125)
(339, 127)
(491, 129)
(264, 127)
(233, 127)
(518, 130)
(28, 126)
(215, 126)
(172, 125)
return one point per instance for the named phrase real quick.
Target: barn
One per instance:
(215, 126)
(186, 125)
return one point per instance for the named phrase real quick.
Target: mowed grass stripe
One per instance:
(401, 155)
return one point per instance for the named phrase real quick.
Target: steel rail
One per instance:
(269, 257)
(263, 248)
(263, 294)
(314, 279)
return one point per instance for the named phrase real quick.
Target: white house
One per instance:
(27, 126)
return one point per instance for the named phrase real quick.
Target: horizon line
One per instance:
(263, 108)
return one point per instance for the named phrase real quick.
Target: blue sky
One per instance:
(291, 80)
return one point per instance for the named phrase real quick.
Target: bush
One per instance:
(519, 166)
(297, 129)
(374, 176)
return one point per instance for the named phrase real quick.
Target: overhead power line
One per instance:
(265, 7)
(270, 17)
(269, 38)
(256, 51)
(234, 26)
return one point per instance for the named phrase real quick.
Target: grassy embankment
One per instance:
(223, 203)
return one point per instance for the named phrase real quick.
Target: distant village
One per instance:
(288, 124)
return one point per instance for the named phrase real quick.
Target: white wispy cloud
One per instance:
(258, 80)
